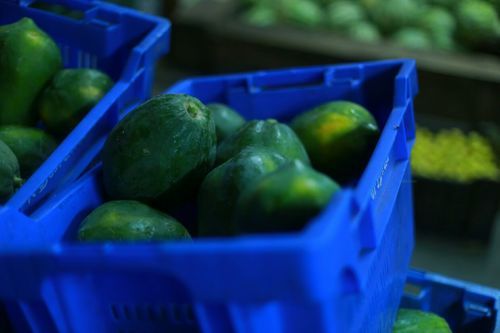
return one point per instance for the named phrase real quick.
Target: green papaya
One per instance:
(339, 137)
(415, 321)
(263, 133)
(284, 200)
(447, 4)
(445, 42)
(161, 151)
(10, 179)
(343, 14)
(32, 146)
(129, 220)
(261, 15)
(227, 121)
(364, 32)
(222, 186)
(392, 15)
(304, 13)
(437, 20)
(478, 21)
(413, 38)
(70, 96)
(30, 58)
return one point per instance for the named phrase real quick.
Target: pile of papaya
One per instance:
(243, 176)
(449, 25)
(40, 102)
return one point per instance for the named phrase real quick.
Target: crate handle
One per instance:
(303, 79)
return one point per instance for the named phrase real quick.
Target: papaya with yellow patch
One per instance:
(339, 138)
(70, 96)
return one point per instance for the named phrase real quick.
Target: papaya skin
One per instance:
(222, 187)
(227, 120)
(70, 95)
(268, 133)
(10, 179)
(128, 220)
(29, 58)
(339, 137)
(161, 151)
(284, 200)
(32, 146)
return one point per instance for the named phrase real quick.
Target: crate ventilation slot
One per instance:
(179, 314)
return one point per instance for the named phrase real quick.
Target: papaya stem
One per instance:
(193, 110)
(18, 182)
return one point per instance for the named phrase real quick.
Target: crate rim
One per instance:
(417, 273)
(418, 276)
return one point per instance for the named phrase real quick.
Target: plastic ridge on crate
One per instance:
(468, 308)
(345, 272)
(122, 42)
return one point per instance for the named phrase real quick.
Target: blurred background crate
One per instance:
(465, 306)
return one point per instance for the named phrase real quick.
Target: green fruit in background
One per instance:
(448, 4)
(161, 151)
(29, 59)
(477, 21)
(343, 14)
(444, 41)
(364, 32)
(496, 4)
(70, 96)
(436, 20)
(412, 38)
(10, 179)
(261, 15)
(227, 121)
(32, 146)
(391, 15)
(221, 188)
(305, 13)
(327, 2)
(368, 5)
(284, 200)
(339, 138)
(415, 321)
(263, 133)
(130, 220)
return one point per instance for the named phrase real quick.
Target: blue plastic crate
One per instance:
(121, 42)
(345, 272)
(468, 308)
